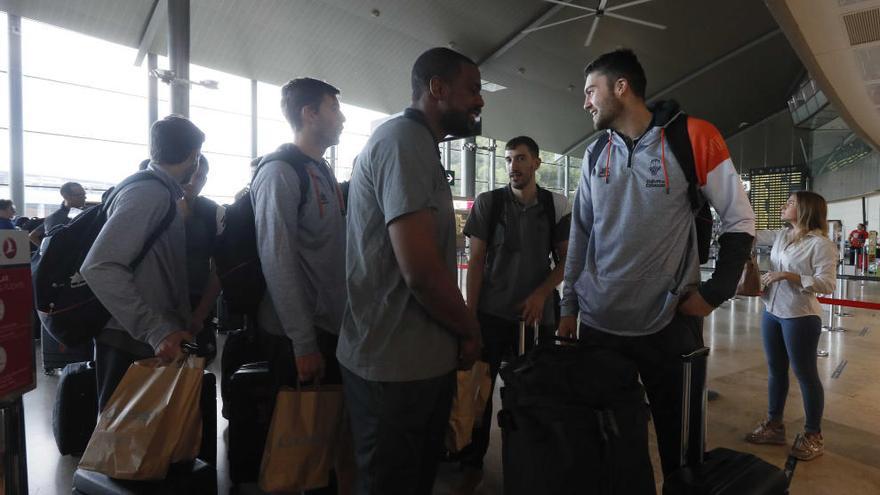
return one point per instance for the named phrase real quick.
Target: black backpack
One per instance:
(680, 145)
(496, 214)
(236, 256)
(68, 308)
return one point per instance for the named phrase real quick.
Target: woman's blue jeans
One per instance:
(794, 341)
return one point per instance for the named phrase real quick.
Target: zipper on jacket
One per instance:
(632, 151)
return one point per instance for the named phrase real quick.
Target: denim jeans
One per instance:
(794, 341)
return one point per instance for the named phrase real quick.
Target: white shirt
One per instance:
(814, 258)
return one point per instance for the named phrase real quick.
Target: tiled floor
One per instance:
(737, 369)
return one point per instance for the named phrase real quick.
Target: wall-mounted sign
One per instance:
(17, 370)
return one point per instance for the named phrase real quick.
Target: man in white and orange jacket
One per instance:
(633, 268)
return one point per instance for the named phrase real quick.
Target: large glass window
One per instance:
(85, 118)
(574, 175)
(4, 86)
(272, 129)
(85, 113)
(483, 163)
(359, 123)
(501, 177)
(549, 175)
(455, 165)
(224, 114)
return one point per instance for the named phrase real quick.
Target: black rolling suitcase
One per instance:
(189, 478)
(252, 393)
(226, 321)
(573, 421)
(241, 347)
(75, 412)
(720, 471)
(57, 355)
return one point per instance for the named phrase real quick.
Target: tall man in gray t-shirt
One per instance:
(514, 233)
(406, 327)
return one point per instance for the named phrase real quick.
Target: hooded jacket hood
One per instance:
(665, 112)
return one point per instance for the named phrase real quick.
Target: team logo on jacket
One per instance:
(655, 167)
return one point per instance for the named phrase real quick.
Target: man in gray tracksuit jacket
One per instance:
(633, 271)
(301, 240)
(149, 305)
(301, 244)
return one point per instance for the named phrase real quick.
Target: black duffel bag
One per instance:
(574, 421)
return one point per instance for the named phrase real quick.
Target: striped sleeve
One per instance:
(719, 181)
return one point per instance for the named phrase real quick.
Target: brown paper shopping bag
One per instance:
(303, 437)
(151, 420)
(473, 391)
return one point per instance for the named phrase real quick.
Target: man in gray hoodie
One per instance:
(301, 244)
(150, 305)
(633, 269)
(301, 239)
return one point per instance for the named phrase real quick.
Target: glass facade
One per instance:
(86, 120)
(550, 175)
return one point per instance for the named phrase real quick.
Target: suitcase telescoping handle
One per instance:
(521, 349)
(693, 407)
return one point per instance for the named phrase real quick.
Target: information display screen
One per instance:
(769, 190)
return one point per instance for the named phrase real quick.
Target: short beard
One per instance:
(457, 124)
(522, 186)
(609, 115)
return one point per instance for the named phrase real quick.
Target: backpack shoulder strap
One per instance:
(680, 145)
(291, 155)
(163, 226)
(545, 199)
(597, 150)
(166, 220)
(496, 210)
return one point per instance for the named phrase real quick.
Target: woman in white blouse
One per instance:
(803, 262)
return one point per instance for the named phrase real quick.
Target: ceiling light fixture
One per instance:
(599, 12)
(490, 86)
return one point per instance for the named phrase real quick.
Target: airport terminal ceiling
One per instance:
(724, 61)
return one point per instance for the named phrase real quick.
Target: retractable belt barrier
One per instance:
(849, 303)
